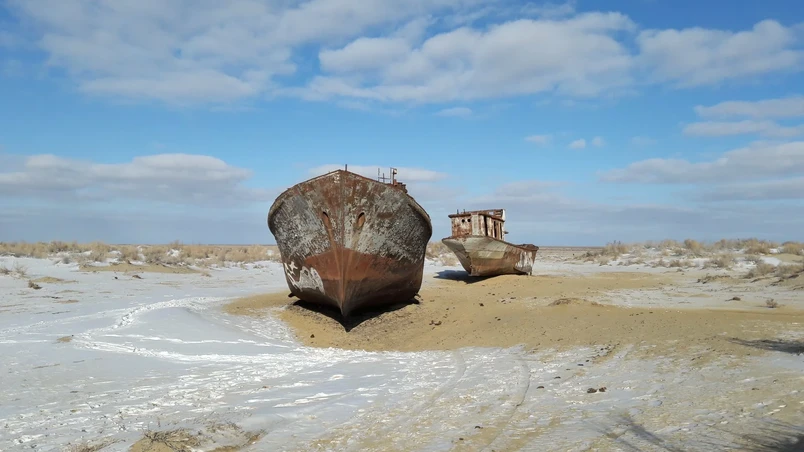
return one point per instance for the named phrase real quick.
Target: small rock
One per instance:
(115, 277)
(312, 336)
(477, 426)
(591, 390)
(735, 299)
(481, 304)
(603, 389)
(539, 387)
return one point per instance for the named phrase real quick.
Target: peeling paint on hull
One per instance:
(350, 242)
(487, 256)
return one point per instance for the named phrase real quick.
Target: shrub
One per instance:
(793, 248)
(761, 269)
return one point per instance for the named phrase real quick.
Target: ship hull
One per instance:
(488, 256)
(350, 242)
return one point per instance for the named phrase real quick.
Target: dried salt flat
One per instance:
(158, 354)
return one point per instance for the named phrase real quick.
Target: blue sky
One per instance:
(146, 121)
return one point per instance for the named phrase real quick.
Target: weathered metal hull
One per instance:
(487, 256)
(350, 242)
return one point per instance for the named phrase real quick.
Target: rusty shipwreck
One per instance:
(478, 240)
(351, 242)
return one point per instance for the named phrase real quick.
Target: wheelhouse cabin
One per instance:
(488, 223)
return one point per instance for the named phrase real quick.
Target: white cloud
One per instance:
(598, 141)
(404, 174)
(538, 139)
(643, 141)
(465, 63)
(578, 144)
(767, 190)
(758, 161)
(757, 122)
(468, 64)
(748, 126)
(185, 51)
(173, 178)
(769, 108)
(188, 52)
(697, 56)
(364, 54)
(456, 111)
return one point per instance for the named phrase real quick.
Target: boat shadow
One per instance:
(357, 317)
(762, 435)
(460, 275)
(794, 347)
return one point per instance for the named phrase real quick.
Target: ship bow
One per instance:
(350, 241)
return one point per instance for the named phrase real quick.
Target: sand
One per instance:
(556, 312)
(182, 440)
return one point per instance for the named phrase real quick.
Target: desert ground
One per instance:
(653, 346)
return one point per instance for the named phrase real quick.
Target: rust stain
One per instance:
(350, 241)
(478, 240)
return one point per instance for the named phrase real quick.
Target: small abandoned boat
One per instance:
(349, 241)
(478, 240)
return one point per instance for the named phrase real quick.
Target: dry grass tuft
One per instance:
(788, 270)
(603, 256)
(174, 440)
(754, 246)
(245, 254)
(680, 263)
(771, 303)
(694, 247)
(793, 248)
(673, 263)
(174, 253)
(19, 270)
(615, 249)
(724, 261)
(87, 446)
(128, 253)
(753, 258)
(668, 245)
(761, 269)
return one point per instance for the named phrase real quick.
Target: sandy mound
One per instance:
(226, 438)
(52, 280)
(537, 311)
